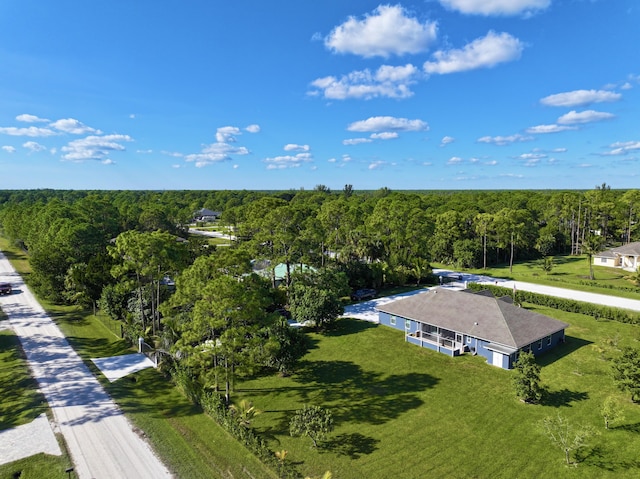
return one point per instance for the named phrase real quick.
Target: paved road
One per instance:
(366, 310)
(212, 234)
(603, 299)
(100, 439)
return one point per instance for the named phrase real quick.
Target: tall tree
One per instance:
(626, 372)
(527, 378)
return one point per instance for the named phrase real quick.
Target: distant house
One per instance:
(455, 322)
(625, 257)
(206, 215)
(279, 271)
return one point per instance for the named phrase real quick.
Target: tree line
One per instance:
(130, 254)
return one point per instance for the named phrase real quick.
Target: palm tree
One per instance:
(591, 246)
(244, 412)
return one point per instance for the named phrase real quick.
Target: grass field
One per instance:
(406, 412)
(400, 411)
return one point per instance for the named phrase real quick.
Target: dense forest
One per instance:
(121, 251)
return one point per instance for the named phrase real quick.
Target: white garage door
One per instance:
(497, 359)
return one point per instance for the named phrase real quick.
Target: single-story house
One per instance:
(206, 215)
(626, 257)
(454, 322)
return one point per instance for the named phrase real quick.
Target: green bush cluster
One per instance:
(628, 289)
(214, 406)
(568, 305)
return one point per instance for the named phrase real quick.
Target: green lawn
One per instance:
(570, 272)
(21, 403)
(405, 412)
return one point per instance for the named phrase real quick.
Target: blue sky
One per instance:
(434, 94)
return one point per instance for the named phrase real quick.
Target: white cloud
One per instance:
(31, 131)
(626, 86)
(385, 135)
(388, 123)
(75, 127)
(512, 175)
(580, 98)
(236, 166)
(288, 161)
(31, 118)
(356, 141)
(227, 134)
(542, 129)
(34, 146)
(531, 156)
(388, 81)
(175, 154)
(374, 165)
(9, 149)
(253, 128)
(215, 153)
(93, 147)
(559, 150)
(454, 160)
(504, 140)
(294, 147)
(108, 161)
(586, 116)
(446, 140)
(622, 148)
(491, 163)
(331, 160)
(144, 152)
(132, 116)
(484, 52)
(496, 7)
(389, 30)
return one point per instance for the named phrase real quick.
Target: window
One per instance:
(549, 340)
(392, 320)
(603, 260)
(540, 344)
(407, 324)
(468, 339)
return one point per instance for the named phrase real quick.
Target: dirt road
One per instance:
(100, 439)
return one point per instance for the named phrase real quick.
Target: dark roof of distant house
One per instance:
(476, 314)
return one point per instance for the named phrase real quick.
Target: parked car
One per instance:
(5, 288)
(362, 294)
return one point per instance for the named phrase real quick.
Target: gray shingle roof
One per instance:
(631, 249)
(478, 315)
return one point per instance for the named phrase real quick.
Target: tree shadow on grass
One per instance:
(571, 344)
(346, 326)
(564, 397)
(602, 458)
(635, 427)
(362, 396)
(352, 445)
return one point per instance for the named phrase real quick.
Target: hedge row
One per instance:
(569, 305)
(214, 406)
(629, 289)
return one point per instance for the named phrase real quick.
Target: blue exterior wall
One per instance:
(556, 339)
(472, 344)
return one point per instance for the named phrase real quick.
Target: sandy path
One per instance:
(100, 439)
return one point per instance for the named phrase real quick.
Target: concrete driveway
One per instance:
(100, 439)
